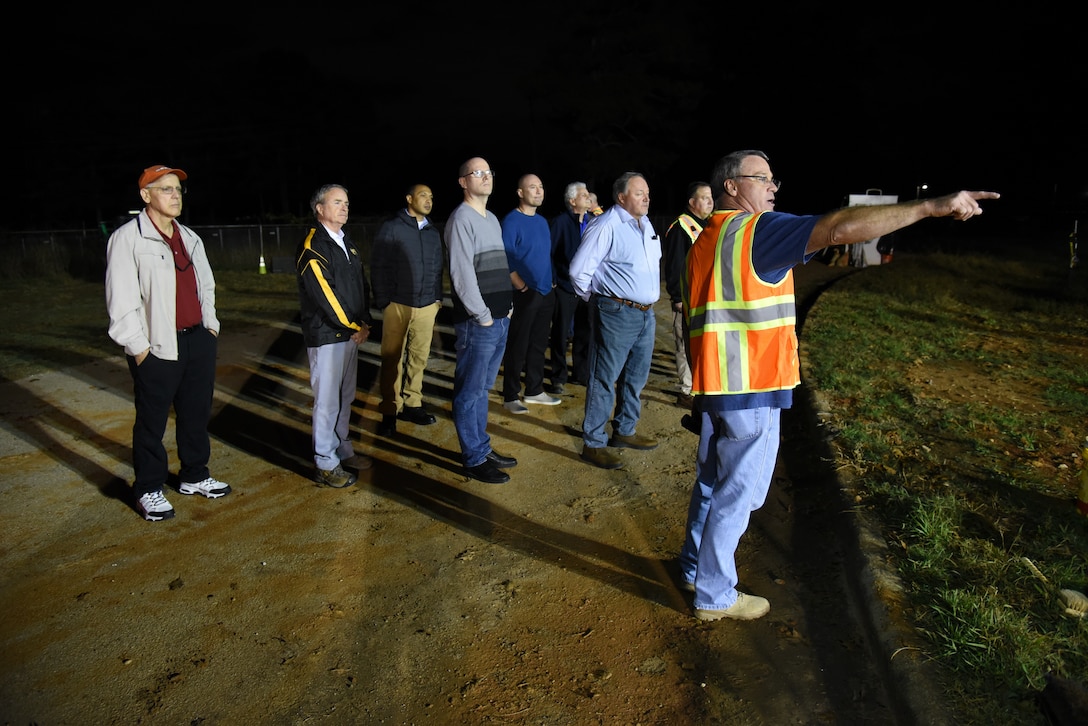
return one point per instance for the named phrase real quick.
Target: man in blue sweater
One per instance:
(528, 252)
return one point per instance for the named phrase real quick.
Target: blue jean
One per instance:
(479, 353)
(734, 466)
(619, 365)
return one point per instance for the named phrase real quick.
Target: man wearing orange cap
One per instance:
(160, 295)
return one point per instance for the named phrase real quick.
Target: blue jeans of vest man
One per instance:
(734, 466)
(479, 354)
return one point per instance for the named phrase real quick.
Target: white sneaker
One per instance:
(515, 407)
(747, 607)
(543, 398)
(210, 488)
(154, 506)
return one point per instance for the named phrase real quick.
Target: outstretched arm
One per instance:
(851, 225)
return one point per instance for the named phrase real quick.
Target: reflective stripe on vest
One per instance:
(691, 226)
(742, 331)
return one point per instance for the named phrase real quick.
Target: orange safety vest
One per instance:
(742, 329)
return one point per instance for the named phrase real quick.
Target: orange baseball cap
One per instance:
(152, 173)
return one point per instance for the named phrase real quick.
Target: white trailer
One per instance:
(865, 253)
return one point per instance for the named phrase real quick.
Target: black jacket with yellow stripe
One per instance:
(332, 289)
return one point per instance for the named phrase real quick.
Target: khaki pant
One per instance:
(406, 346)
(683, 369)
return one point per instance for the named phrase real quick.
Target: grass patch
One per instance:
(959, 385)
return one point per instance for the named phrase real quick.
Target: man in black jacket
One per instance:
(681, 235)
(406, 265)
(336, 320)
(566, 231)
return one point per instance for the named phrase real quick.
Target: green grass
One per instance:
(959, 385)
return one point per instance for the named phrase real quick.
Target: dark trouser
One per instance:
(188, 385)
(527, 344)
(583, 327)
(561, 321)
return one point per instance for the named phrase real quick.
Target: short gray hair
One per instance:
(728, 167)
(572, 191)
(319, 195)
(620, 186)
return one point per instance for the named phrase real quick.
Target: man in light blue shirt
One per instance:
(616, 270)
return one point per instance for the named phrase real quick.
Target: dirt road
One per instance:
(418, 595)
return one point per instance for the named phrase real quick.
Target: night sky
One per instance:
(262, 111)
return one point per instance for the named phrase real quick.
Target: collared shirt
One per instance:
(337, 237)
(620, 256)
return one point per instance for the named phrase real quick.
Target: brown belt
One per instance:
(630, 303)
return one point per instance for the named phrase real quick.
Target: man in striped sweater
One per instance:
(482, 303)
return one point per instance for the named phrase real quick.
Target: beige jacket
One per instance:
(141, 287)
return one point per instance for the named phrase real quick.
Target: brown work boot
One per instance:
(602, 457)
(336, 478)
(634, 441)
(357, 461)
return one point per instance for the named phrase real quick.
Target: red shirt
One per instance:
(187, 313)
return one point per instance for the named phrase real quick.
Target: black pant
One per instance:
(187, 385)
(528, 343)
(562, 319)
(583, 334)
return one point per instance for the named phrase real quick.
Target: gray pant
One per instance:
(333, 377)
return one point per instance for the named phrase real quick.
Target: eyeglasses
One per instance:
(168, 191)
(777, 183)
(481, 173)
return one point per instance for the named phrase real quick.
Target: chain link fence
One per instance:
(81, 253)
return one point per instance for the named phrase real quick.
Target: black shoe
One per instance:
(556, 389)
(417, 415)
(388, 426)
(503, 462)
(486, 472)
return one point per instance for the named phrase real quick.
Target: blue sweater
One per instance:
(528, 244)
